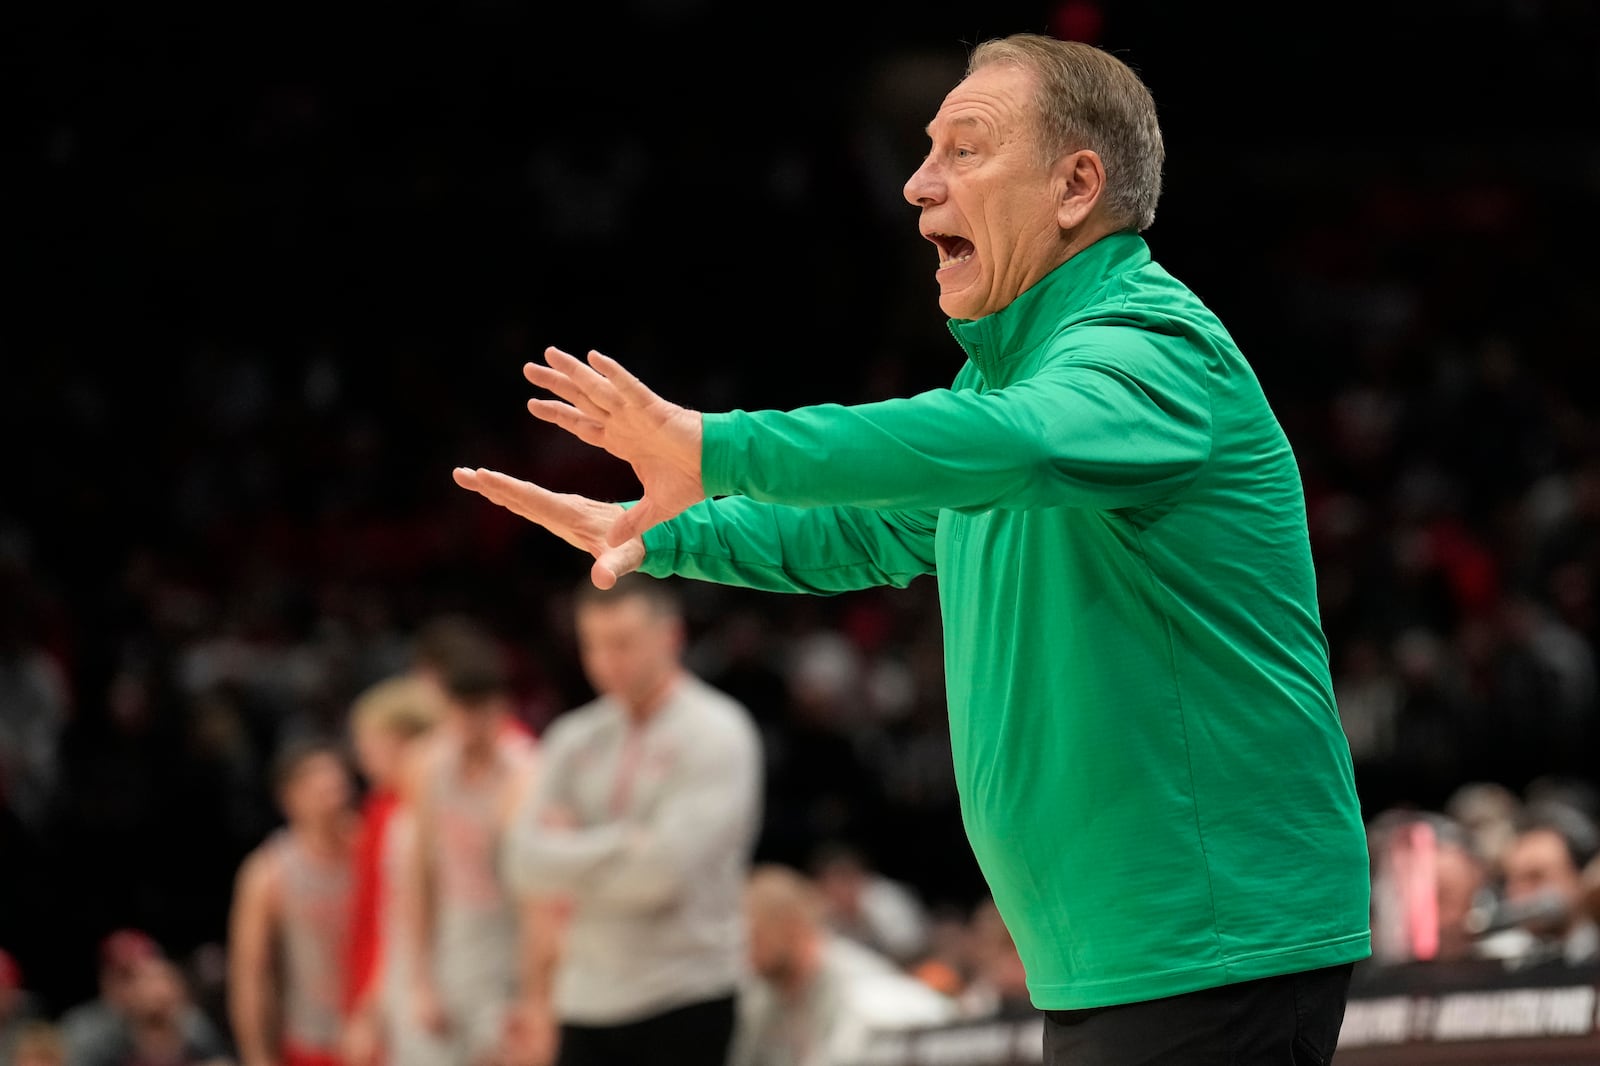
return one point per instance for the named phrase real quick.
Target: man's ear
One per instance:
(1079, 181)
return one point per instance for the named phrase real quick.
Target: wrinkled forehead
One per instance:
(998, 98)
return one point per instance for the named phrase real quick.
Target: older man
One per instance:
(1152, 772)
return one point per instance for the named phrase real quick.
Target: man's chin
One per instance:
(963, 303)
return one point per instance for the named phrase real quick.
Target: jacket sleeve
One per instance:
(822, 550)
(1115, 417)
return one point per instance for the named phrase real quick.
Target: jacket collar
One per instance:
(1037, 314)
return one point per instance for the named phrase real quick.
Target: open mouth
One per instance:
(953, 249)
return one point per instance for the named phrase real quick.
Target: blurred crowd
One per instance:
(1495, 879)
(837, 950)
(319, 963)
(219, 569)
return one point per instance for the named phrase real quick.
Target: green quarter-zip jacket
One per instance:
(1152, 772)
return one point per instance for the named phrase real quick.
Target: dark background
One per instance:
(274, 271)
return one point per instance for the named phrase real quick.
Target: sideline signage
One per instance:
(1416, 1014)
(1435, 1014)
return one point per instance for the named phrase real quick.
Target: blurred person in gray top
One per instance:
(159, 998)
(815, 997)
(96, 1027)
(868, 906)
(643, 823)
(1543, 874)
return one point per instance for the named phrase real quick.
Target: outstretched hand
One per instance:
(578, 520)
(608, 407)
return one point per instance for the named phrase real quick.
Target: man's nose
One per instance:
(923, 187)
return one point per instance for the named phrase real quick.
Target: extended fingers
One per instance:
(524, 497)
(595, 390)
(563, 385)
(623, 384)
(587, 429)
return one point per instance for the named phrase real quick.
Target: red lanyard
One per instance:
(627, 770)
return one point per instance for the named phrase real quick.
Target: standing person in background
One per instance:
(388, 722)
(643, 823)
(466, 928)
(290, 921)
(1152, 771)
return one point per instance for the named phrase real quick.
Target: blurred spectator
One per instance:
(467, 942)
(816, 998)
(1405, 923)
(1488, 812)
(1464, 892)
(946, 966)
(156, 1034)
(290, 920)
(999, 984)
(870, 908)
(35, 701)
(37, 1043)
(18, 1012)
(1543, 871)
(96, 1024)
(1475, 922)
(95, 1030)
(388, 722)
(1566, 792)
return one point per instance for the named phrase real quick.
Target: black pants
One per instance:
(1292, 1020)
(699, 1034)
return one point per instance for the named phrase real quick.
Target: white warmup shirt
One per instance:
(667, 815)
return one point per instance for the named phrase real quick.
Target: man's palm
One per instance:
(606, 406)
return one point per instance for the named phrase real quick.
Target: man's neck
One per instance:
(1091, 232)
(325, 837)
(642, 710)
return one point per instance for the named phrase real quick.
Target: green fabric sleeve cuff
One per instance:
(718, 433)
(658, 550)
(658, 547)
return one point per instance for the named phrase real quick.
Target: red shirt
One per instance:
(362, 964)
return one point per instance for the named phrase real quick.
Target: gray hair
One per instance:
(1090, 99)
